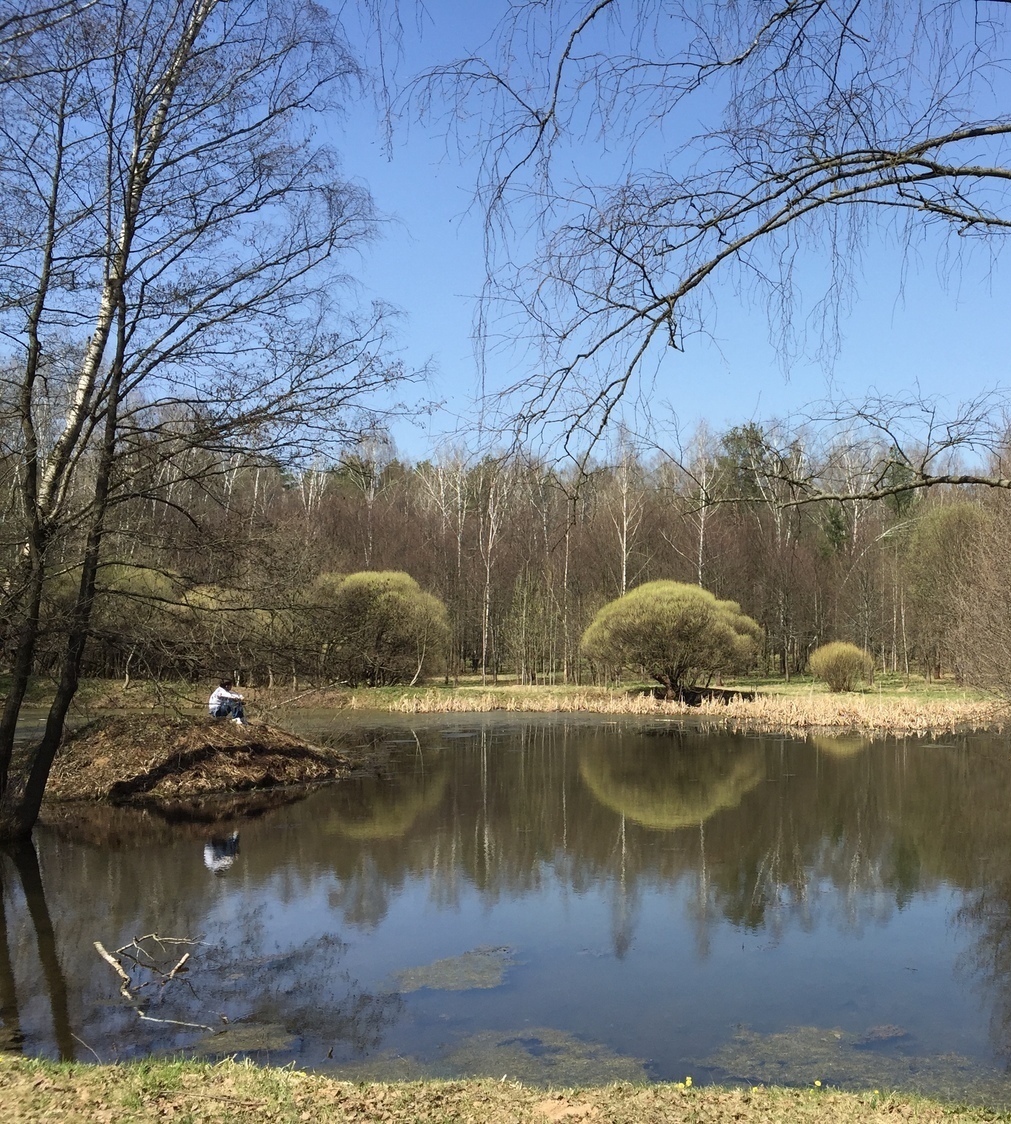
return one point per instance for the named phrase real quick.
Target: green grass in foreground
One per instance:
(199, 1093)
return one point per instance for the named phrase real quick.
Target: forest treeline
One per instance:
(232, 564)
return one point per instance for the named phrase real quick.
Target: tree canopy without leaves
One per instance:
(641, 157)
(942, 563)
(681, 634)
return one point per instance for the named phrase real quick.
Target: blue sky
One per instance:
(915, 322)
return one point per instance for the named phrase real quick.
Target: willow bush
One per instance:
(841, 665)
(386, 629)
(679, 634)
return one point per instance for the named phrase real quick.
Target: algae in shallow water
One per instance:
(542, 1056)
(804, 1055)
(482, 967)
(244, 1038)
(534, 1055)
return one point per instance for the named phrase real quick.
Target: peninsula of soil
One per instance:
(141, 760)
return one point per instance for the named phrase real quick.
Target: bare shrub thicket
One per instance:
(981, 618)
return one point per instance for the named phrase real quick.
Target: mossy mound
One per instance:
(147, 760)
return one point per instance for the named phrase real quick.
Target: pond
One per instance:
(559, 900)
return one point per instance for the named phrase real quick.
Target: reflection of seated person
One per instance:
(225, 703)
(219, 854)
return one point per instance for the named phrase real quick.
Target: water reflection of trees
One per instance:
(666, 789)
(19, 865)
(386, 807)
(10, 1023)
(988, 912)
(755, 825)
(960, 824)
(243, 973)
(759, 828)
(764, 833)
(761, 833)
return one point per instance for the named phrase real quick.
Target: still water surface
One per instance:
(558, 900)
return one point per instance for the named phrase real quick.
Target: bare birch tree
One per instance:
(172, 244)
(625, 501)
(495, 480)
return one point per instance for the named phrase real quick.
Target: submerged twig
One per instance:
(174, 1022)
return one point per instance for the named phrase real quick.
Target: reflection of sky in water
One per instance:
(817, 893)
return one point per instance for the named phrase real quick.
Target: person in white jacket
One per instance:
(226, 703)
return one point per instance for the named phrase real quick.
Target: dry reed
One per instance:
(864, 714)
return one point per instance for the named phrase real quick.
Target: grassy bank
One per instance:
(803, 709)
(893, 705)
(200, 1093)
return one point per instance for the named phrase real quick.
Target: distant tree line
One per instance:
(239, 566)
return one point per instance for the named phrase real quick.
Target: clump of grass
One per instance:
(860, 714)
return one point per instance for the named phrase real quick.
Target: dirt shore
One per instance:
(124, 776)
(141, 759)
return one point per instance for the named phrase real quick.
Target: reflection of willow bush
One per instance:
(840, 747)
(388, 811)
(668, 791)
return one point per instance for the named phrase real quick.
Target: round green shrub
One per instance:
(841, 665)
(680, 634)
(377, 627)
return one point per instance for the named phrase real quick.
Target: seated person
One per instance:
(225, 703)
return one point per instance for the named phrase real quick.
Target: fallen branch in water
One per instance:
(127, 983)
(178, 968)
(117, 968)
(174, 1022)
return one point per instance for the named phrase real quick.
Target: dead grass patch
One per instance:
(850, 714)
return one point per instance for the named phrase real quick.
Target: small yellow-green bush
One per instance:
(841, 665)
